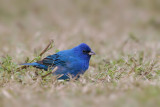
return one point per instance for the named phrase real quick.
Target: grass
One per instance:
(124, 34)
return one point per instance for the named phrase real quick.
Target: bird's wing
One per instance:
(53, 60)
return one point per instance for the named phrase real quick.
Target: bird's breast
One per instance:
(85, 65)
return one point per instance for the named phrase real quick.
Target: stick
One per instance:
(48, 47)
(50, 72)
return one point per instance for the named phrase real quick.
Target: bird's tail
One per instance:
(37, 65)
(31, 64)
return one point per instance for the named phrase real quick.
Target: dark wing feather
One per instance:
(52, 60)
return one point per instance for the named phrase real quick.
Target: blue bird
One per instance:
(69, 63)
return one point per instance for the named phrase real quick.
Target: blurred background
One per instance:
(103, 24)
(125, 34)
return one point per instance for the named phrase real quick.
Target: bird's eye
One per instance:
(84, 51)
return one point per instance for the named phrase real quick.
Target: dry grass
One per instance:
(124, 33)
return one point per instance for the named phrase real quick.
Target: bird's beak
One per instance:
(91, 53)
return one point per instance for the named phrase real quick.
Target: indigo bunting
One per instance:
(70, 63)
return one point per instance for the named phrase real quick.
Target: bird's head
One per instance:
(84, 51)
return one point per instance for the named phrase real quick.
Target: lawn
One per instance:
(125, 34)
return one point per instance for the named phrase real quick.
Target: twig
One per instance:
(48, 47)
(50, 72)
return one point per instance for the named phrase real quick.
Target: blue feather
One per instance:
(37, 65)
(70, 63)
